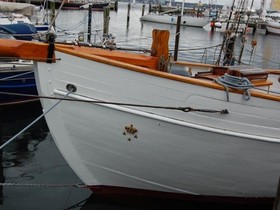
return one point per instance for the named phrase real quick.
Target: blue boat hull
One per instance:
(23, 84)
(21, 31)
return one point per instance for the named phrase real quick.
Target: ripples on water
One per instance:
(33, 157)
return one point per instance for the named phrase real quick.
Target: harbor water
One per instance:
(33, 171)
(195, 44)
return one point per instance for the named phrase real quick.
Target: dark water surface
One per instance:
(33, 157)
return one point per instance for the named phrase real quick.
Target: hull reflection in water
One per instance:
(33, 159)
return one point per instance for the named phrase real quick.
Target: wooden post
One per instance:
(254, 28)
(106, 20)
(89, 23)
(160, 48)
(52, 7)
(116, 5)
(177, 37)
(128, 14)
(276, 205)
(143, 9)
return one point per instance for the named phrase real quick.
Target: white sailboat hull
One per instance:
(232, 155)
(273, 27)
(192, 21)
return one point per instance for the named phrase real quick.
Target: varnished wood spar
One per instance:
(159, 47)
(134, 59)
(36, 51)
(273, 71)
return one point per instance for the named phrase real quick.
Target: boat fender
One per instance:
(254, 43)
(218, 24)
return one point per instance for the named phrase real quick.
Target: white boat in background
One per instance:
(273, 27)
(222, 27)
(192, 21)
(170, 17)
(15, 20)
(273, 22)
(129, 126)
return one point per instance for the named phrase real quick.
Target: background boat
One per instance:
(273, 27)
(192, 21)
(273, 22)
(193, 18)
(17, 78)
(79, 4)
(23, 21)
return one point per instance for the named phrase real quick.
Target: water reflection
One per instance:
(147, 203)
(13, 119)
(31, 159)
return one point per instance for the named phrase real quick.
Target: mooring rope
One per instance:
(240, 83)
(184, 109)
(33, 122)
(19, 102)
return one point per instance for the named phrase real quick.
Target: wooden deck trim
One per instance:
(38, 51)
(194, 81)
(273, 71)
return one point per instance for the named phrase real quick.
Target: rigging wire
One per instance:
(53, 20)
(184, 109)
(17, 75)
(256, 54)
(34, 121)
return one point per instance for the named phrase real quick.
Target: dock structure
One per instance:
(113, 4)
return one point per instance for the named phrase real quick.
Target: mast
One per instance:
(177, 37)
(226, 34)
(182, 9)
(243, 39)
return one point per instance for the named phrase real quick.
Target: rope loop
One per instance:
(246, 95)
(240, 83)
